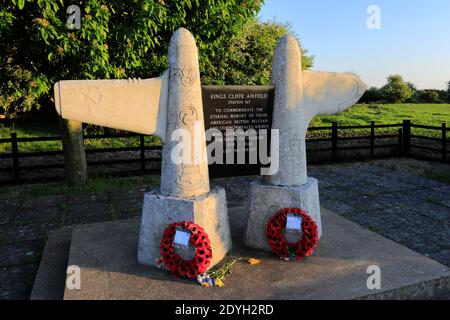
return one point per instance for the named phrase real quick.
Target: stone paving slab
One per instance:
(8, 209)
(5, 218)
(16, 281)
(43, 202)
(96, 214)
(445, 203)
(127, 214)
(442, 188)
(436, 195)
(123, 201)
(22, 252)
(50, 280)
(39, 214)
(32, 231)
(106, 253)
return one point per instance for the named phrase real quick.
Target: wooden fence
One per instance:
(402, 140)
(15, 155)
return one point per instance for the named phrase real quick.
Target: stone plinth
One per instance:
(208, 211)
(265, 200)
(106, 254)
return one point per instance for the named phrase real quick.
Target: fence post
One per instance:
(142, 147)
(372, 138)
(334, 139)
(400, 142)
(406, 137)
(444, 142)
(15, 156)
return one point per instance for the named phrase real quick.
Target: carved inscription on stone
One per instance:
(92, 95)
(190, 178)
(188, 116)
(184, 75)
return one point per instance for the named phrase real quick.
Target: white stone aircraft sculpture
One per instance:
(159, 106)
(299, 96)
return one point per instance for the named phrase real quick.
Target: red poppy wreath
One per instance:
(287, 250)
(174, 262)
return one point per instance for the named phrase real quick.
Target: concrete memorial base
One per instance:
(265, 200)
(208, 211)
(106, 255)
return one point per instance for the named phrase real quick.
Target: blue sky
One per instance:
(414, 39)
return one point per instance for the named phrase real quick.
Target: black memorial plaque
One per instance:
(238, 107)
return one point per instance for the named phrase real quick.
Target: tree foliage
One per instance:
(249, 55)
(429, 96)
(372, 94)
(117, 39)
(390, 93)
(396, 90)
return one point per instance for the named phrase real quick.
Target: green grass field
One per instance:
(362, 114)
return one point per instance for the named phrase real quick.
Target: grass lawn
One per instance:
(362, 114)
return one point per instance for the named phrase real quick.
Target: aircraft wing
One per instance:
(329, 93)
(133, 105)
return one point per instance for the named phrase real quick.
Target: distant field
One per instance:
(361, 114)
(427, 114)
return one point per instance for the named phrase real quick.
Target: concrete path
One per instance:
(410, 210)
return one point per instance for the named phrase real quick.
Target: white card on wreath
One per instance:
(293, 222)
(182, 237)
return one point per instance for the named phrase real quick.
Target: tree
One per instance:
(372, 94)
(75, 165)
(429, 96)
(448, 92)
(415, 92)
(249, 55)
(117, 39)
(396, 90)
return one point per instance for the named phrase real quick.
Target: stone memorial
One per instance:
(171, 107)
(165, 107)
(299, 96)
(175, 104)
(172, 104)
